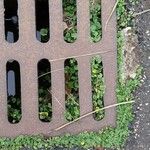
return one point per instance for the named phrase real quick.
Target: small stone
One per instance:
(133, 75)
(148, 32)
(130, 61)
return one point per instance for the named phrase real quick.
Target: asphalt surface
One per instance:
(140, 137)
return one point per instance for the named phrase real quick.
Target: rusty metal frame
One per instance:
(28, 51)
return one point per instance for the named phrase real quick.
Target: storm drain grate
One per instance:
(28, 51)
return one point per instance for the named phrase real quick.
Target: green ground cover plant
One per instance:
(110, 137)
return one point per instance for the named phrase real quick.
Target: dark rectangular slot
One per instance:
(11, 21)
(13, 91)
(44, 90)
(42, 20)
(71, 89)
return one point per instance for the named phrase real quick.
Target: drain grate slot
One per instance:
(95, 21)
(70, 20)
(71, 89)
(11, 21)
(98, 86)
(42, 20)
(13, 91)
(44, 90)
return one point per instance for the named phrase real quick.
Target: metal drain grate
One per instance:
(28, 51)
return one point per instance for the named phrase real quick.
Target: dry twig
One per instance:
(88, 114)
(74, 56)
(50, 72)
(57, 100)
(142, 12)
(111, 14)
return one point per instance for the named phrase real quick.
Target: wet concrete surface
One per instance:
(140, 137)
